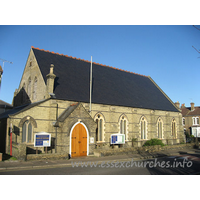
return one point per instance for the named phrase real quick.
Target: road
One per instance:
(171, 165)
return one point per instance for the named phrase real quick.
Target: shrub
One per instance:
(153, 142)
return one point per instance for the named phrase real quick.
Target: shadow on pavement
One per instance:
(175, 165)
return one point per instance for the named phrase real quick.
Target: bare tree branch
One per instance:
(196, 27)
(196, 49)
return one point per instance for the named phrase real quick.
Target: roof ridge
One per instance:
(88, 61)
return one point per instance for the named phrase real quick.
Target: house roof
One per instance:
(111, 86)
(4, 104)
(186, 111)
(19, 109)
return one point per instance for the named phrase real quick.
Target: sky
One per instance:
(163, 52)
(140, 44)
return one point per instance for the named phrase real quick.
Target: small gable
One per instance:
(74, 111)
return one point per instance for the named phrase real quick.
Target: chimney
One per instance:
(183, 105)
(177, 104)
(50, 82)
(192, 106)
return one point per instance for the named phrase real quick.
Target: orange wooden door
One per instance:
(79, 141)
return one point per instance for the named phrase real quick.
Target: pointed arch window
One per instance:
(124, 126)
(100, 128)
(160, 128)
(24, 93)
(143, 128)
(35, 89)
(27, 132)
(29, 87)
(173, 128)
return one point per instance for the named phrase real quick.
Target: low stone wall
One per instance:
(19, 151)
(47, 156)
(130, 150)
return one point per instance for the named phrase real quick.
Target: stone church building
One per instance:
(54, 95)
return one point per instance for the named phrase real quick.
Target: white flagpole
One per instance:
(90, 85)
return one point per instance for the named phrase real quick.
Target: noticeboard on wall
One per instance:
(117, 139)
(42, 139)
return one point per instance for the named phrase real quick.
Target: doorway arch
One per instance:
(79, 140)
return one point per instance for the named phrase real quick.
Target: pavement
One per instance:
(22, 165)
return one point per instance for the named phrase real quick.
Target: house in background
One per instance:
(54, 97)
(4, 106)
(191, 116)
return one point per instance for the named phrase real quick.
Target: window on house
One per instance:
(143, 128)
(183, 121)
(27, 132)
(195, 120)
(174, 128)
(160, 128)
(123, 126)
(100, 128)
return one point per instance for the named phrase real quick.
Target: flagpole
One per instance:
(90, 86)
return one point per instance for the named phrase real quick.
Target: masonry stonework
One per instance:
(46, 113)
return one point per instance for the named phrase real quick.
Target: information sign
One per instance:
(117, 139)
(42, 139)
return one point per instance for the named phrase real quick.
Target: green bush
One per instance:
(153, 142)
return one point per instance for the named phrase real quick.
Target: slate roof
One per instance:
(17, 110)
(111, 86)
(4, 104)
(66, 113)
(186, 111)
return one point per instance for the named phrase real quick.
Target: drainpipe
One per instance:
(11, 139)
(56, 129)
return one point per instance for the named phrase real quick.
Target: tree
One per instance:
(193, 46)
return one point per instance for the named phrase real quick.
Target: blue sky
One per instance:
(163, 52)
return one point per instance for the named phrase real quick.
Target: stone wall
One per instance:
(45, 113)
(31, 71)
(47, 156)
(19, 151)
(63, 134)
(112, 115)
(130, 150)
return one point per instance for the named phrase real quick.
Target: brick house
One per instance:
(54, 95)
(190, 118)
